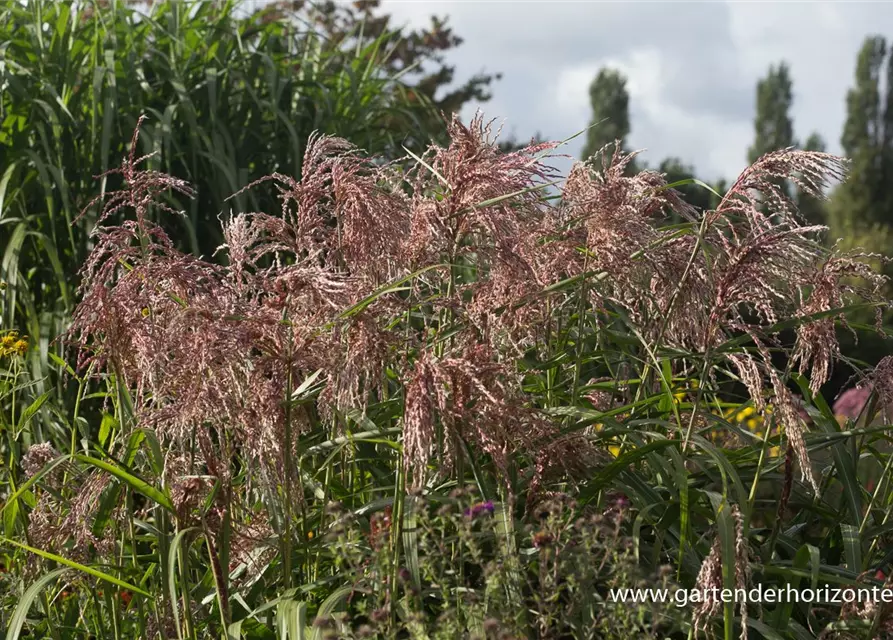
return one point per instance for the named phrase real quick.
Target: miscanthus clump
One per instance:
(441, 283)
(214, 351)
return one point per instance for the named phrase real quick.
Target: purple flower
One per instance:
(482, 507)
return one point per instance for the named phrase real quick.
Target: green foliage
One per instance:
(474, 576)
(230, 95)
(610, 111)
(415, 56)
(860, 212)
(696, 195)
(773, 125)
(867, 140)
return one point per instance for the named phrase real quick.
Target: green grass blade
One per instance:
(96, 573)
(137, 484)
(20, 614)
(330, 605)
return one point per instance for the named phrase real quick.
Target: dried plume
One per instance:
(212, 351)
(710, 579)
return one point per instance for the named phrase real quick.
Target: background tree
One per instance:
(610, 119)
(866, 199)
(859, 213)
(417, 55)
(695, 194)
(773, 125)
(610, 111)
(610, 116)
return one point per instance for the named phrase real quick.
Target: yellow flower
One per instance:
(753, 423)
(310, 535)
(20, 347)
(744, 414)
(12, 344)
(615, 450)
(145, 311)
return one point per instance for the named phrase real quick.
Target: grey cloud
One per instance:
(693, 66)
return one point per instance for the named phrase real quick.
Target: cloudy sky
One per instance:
(692, 67)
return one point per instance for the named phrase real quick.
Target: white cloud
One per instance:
(692, 66)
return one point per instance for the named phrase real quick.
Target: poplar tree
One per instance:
(866, 198)
(773, 126)
(610, 111)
